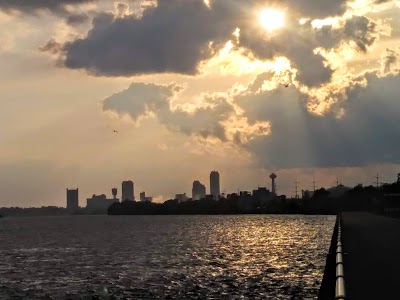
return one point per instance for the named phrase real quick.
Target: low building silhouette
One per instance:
(181, 197)
(100, 202)
(143, 197)
(262, 194)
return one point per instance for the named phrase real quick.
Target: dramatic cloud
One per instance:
(31, 6)
(356, 132)
(176, 36)
(319, 92)
(172, 37)
(216, 117)
(365, 133)
(141, 100)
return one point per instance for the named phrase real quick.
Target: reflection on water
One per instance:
(163, 257)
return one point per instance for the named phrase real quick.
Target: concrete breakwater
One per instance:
(327, 289)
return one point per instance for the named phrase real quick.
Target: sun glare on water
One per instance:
(272, 19)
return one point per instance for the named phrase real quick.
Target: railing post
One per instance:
(340, 292)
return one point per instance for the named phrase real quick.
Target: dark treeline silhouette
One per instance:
(45, 211)
(321, 201)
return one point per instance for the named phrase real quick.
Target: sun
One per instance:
(271, 19)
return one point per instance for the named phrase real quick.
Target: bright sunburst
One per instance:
(272, 19)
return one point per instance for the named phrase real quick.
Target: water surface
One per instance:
(163, 257)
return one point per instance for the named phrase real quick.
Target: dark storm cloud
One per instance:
(172, 37)
(31, 6)
(77, 19)
(139, 100)
(175, 36)
(142, 99)
(367, 133)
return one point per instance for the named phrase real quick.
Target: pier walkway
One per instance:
(371, 258)
(372, 262)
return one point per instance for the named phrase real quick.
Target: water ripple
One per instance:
(163, 257)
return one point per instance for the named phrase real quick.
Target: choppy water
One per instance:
(163, 257)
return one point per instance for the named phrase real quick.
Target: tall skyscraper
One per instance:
(128, 192)
(72, 199)
(214, 184)
(198, 190)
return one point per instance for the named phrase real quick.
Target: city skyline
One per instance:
(199, 191)
(93, 93)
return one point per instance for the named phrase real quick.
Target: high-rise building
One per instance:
(198, 190)
(214, 184)
(72, 199)
(128, 192)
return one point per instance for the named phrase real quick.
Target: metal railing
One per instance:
(340, 292)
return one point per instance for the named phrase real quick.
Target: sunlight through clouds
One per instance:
(271, 19)
(234, 60)
(205, 81)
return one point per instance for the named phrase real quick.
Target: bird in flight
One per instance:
(286, 84)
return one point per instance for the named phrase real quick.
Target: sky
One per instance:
(307, 89)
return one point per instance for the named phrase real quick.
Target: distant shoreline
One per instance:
(66, 214)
